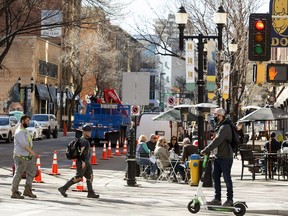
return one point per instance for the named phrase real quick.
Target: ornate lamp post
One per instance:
(161, 93)
(27, 91)
(181, 19)
(61, 102)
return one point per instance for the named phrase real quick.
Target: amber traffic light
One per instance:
(259, 37)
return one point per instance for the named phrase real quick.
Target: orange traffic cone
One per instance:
(109, 153)
(93, 158)
(104, 153)
(54, 165)
(117, 151)
(80, 186)
(125, 147)
(73, 164)
(38, 178)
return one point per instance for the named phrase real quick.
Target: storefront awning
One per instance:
(42, 92)
(53, 94)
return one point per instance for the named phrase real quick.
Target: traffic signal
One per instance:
(259, 73)
(277, 73)
(259, 37)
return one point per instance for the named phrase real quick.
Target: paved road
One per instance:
(150, 198)
(46, 149)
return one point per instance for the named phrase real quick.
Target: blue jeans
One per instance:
(146, 161)
(223, 165)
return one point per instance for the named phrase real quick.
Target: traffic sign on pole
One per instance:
(135, 110)
(171, 101)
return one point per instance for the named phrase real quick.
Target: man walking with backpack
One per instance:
(83, 165)
(224, 157)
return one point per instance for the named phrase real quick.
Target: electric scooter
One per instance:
(199, 201)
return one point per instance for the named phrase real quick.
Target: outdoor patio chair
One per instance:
(144, 168)
(248, 161)
(165, 172)
(282, 163)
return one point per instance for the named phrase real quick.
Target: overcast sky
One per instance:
(140, 9)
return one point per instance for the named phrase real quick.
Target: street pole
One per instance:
(131, 158)
(181, 20)
(25, 89)
(25, 100)
(160, 93)
(200, 84)
(233, 86)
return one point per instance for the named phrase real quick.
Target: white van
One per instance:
(146, 126)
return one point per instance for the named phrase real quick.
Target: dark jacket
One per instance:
(222, 140)
(285, 144)
(187, 151)
(151, 146)
(85, 156)
(275, 146)
(176, 147)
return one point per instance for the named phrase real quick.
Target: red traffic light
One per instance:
(259, 37)
(259, 25)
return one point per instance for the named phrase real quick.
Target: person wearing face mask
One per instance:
(223, 157)
(83, 165)
(24, 160)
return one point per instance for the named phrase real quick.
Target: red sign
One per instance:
(171, 101)
(135, 110)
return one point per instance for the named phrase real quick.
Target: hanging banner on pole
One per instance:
(226, 81)
(190, 61)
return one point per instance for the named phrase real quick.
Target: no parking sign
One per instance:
(171, 101)
(135, 110)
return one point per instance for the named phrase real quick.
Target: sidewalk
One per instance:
(149, 198)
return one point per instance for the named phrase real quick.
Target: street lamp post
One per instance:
(61, 102)
(26, 93)
(182, 19)
(161, 88)
(232, 47)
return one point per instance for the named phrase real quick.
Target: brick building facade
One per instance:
(31, 56)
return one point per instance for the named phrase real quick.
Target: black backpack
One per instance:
(235, 142)
(73, 149)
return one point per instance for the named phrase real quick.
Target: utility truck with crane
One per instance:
(110, 121)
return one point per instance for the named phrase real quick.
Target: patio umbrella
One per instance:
(174, 115)
(264, 114)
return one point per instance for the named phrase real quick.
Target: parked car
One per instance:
(35, 130)
(49, 124)
(8, 126)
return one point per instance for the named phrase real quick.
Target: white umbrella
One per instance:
(174, 115)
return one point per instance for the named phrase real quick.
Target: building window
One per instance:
(48, 69)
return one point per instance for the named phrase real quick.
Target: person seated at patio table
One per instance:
(280, 138)
(271, 146)
(173, 145)
(143, 156)
(151, 144)
(285, 142)
(162, 153)
(188, 149)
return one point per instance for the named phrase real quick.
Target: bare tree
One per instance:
(200, 22)
(20, 17)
